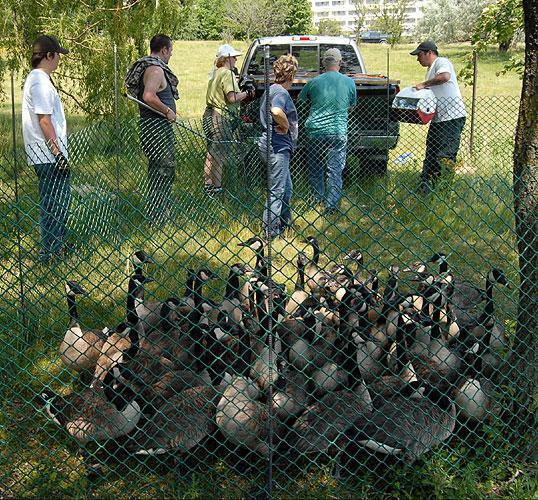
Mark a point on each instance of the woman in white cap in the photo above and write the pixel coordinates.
(222, 99)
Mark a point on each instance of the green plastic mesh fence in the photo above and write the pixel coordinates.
(178, 318)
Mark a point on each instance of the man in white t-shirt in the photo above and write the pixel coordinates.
(45, 140)
(445, 130)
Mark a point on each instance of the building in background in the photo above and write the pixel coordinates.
(343, 11)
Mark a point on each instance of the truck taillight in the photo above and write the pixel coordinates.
(303, 38)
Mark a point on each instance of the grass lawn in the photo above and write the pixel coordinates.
(470, 217)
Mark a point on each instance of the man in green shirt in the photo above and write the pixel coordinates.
(330, 94)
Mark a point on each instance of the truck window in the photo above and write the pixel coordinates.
(307, 57)
(255, 66)
(350, 62)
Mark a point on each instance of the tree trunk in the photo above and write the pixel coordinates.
(524, 355)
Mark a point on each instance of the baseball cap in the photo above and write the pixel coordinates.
(331, 56)
(48, 43)
(227, 50)
(425, 46)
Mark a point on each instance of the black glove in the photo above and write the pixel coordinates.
(247, 84)
(61, 163)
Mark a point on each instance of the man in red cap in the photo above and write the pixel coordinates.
(45, 139)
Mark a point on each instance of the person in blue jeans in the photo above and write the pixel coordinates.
(284, 127)
(45, 139)
(330, 95)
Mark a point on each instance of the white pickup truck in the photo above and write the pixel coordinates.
(372, 132)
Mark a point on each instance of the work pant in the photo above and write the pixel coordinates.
(442, 145)
(54, 203)
(158, 143)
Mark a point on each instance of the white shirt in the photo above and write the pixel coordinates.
(449, 102)
(39, 96)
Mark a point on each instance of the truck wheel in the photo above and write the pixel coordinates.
(373, 162)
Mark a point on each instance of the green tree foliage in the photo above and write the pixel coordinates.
(390, 17)
(255, 18)
(299, 19)
(329, 27)
(203, 20)
(360, 13)
(498, 24)
(90, 31)
(446, 21)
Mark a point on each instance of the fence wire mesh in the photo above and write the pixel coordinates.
(178, 344)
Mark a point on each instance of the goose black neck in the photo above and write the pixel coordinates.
(232, 286)
(134, 337)
(73, 312)
(436, 317)
(263, 316)
(402, 356)
(315, 247)
(197, 291)
(443, 266)
(299, 284)
(135, 292)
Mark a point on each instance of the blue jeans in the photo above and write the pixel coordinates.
(331, 151)
(277, 211)
(54, 203)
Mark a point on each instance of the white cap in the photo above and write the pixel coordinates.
(227, 50)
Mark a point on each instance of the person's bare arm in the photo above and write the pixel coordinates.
(233, 97)
(436, 80)
(154, 81)
(45, 123)
(281, 120)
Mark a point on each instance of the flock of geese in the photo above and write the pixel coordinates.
(337, 364)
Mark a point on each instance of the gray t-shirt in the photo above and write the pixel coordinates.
(449, 102)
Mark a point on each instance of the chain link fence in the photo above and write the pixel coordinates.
(173, 344)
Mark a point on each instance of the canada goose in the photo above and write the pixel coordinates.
(241, 418)
(290, 393)
(385, 386)
(436, 363)
(138, 259)
(487, 328)
(316, 429)
(385, 325)
(368, 350)
(299, 294)
(98, 413)
(404, 426)
(316, 278)
(264, 354)
(231, 304)
(180, 422)
(123, 344)
(475, 396)
(80, 347)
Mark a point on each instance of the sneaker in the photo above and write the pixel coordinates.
(211, 191)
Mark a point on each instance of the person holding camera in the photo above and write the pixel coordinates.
(222, 101)
(45, 139)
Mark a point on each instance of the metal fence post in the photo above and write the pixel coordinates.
(269, 129)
